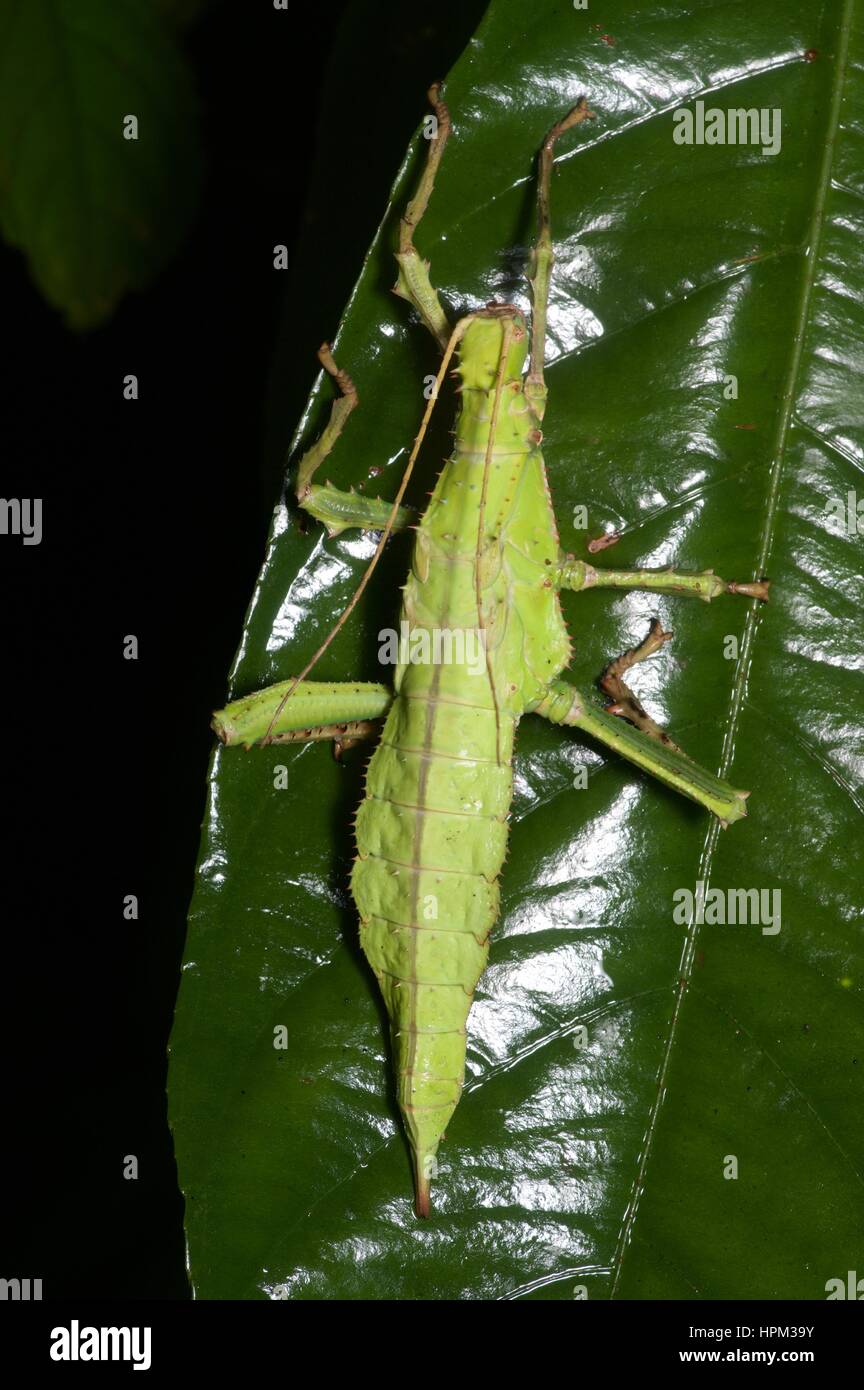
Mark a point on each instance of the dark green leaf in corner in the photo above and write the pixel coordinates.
(702, 1139)
(95, 213)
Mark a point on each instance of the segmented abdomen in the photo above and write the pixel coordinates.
(431, 839)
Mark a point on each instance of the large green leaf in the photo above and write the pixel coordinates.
(97, 207)
(599, 1166)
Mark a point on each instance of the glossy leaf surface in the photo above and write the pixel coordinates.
(623, 1066)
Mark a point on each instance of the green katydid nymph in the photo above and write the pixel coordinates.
(432, 829)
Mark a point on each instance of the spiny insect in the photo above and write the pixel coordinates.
(486, 575)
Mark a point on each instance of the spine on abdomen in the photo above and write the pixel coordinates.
(431, 840)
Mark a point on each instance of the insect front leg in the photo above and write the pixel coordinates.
(413, 283)
(340, 710)
(339, 511)
(577, 575)
(564, 704)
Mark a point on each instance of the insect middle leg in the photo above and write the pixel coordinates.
(577, 575)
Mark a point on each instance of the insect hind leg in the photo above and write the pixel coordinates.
(564, 704)
(624, 703)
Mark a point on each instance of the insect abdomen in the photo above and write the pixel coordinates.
(431, 839)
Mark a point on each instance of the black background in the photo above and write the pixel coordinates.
(155, 518)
